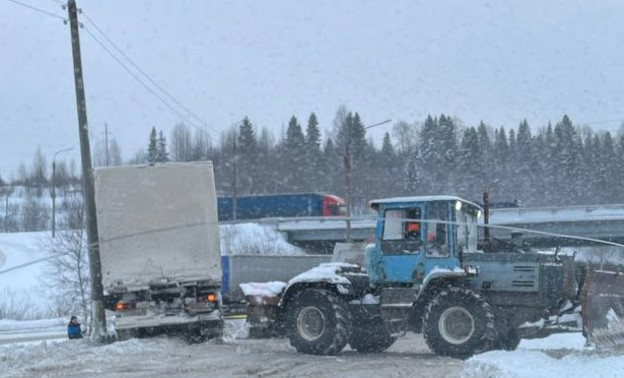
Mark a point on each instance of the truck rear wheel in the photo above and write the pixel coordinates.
(127, 334)
(459, 323)
(318, 323)
(370, 337)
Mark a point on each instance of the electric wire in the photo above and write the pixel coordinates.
(139, 80)
(59, 2)
(143, 72)
(38, 10)
(158, 86)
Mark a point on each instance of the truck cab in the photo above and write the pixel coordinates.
(415, 235)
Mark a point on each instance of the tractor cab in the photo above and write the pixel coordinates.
(415, 235)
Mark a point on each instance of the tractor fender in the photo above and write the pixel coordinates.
(437, 274)
(338, 277)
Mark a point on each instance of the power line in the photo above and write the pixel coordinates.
(604, 121)
(159, 87)
(143, 72)
(138, 79)
(38, 10)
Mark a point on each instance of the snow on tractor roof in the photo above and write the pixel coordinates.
(375, 203)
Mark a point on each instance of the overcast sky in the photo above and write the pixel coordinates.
(496, 61)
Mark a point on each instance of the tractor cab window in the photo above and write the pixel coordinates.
(402, 231)
(466, 219)
(437, 230)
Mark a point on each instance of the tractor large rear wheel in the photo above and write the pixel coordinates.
(459, 323)
(318, 322)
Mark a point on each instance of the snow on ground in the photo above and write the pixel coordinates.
(22, 259)
(556, 356)
(254, 239)
(560, 355)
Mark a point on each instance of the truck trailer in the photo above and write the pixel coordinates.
(159, 248)
(280, 205)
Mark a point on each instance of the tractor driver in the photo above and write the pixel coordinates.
(412, 231)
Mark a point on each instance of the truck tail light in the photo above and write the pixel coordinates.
(208, 297)
(123, 306)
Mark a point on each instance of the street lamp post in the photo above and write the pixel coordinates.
(347, 164)
(54, 188)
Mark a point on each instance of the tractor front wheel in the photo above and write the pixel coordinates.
(318, 322)
(459, 323)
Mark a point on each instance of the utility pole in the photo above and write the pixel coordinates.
(88, 189)
(235, 183)
(347, 165)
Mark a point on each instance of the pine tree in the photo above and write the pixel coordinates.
(333, 168)
(313, 135)
(294, 157)
(152, 148)
(162, 156)
(567, 158)
(501, 157)
(428, 156)
(313, 162)
(247, 151)
(247, 135)
(470, 182)
(609, 182)
(524, 166)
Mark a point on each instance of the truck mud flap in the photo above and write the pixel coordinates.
(603, 308)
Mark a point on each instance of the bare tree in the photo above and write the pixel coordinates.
(39, 172)
(19, 304)
(35, 213)
(407, 136)
(8, 221)
(181, 143)
(67, 272)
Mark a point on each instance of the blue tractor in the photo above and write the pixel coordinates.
(425, 273)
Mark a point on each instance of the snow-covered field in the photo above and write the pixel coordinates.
(24, 354)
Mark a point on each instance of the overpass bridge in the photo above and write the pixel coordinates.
(540, 227)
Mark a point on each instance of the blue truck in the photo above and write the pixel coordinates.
(280, 205)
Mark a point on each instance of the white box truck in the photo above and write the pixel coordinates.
(159, 248)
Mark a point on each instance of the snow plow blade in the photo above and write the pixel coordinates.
(603, 308)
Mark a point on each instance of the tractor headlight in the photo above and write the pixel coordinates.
(458, 205)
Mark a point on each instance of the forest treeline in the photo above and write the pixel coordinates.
(553, 165)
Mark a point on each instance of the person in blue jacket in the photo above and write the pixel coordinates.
(73, 329)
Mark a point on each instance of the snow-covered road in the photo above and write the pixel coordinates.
(236, 356)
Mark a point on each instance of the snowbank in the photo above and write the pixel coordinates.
(561, 355)
(254, 239)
